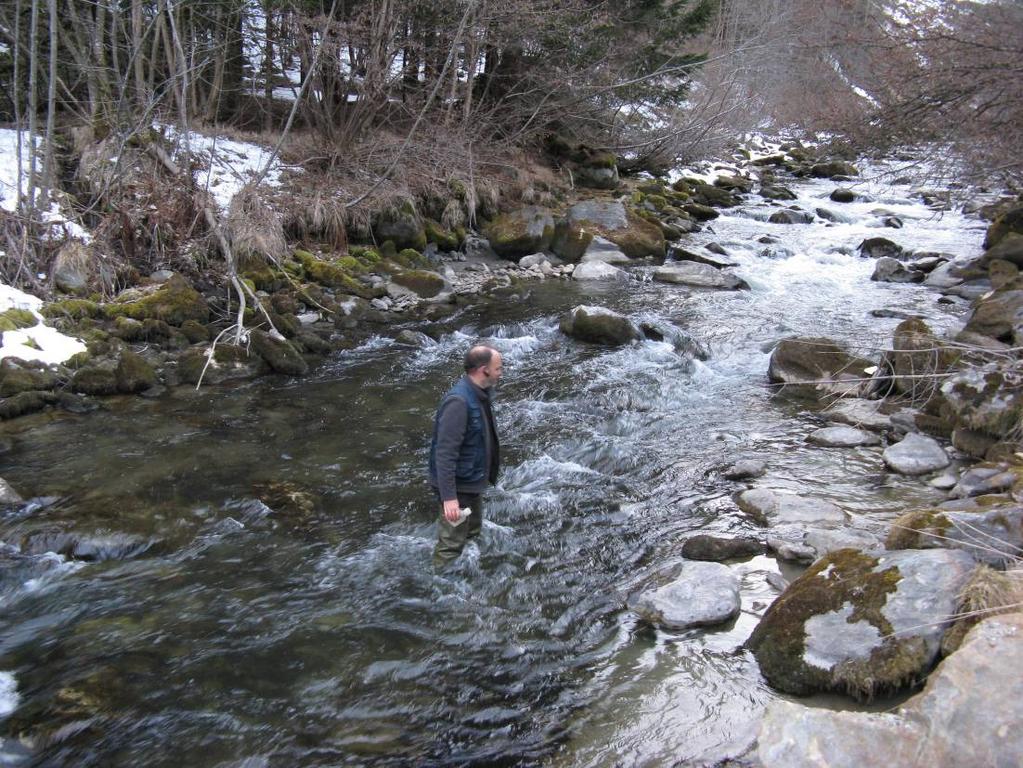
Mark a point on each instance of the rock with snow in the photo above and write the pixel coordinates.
(915, 454)
(698, 275)
(842, 437)
(967, 715)
(702, 594)
(860, 623)
(598, 270)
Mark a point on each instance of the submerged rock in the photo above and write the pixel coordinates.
(967, 715)
(859, 624)
(745, 469)
(915, 454)
(857, 412)
(770, 507)
(717, 548)
(702, 594)
(600, 326)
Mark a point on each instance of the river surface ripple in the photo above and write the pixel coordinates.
(253, 583)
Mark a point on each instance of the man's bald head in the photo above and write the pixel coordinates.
(479, 356)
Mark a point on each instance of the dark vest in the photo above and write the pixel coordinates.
(471, 466)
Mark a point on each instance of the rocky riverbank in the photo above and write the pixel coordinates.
(870, 615)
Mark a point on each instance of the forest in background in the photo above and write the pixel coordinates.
(384, 100)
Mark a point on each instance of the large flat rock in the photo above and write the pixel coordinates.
(702, 594)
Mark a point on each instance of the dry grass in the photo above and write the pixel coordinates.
(987, 593)
(255, 229)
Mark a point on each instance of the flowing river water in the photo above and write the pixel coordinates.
(252, 582)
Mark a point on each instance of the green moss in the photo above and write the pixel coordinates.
(421, 282)
(264, 278)
(410, 259)
(78, 360)
(174, 302)
(195, 332)
(435, 233)
(657, 201)
(24, 403)
(17, 380)
(368, 257)
(133, 374)
(16, 319)
(641, 238)
(94, 380)
(350, 264)
(571, 240)
(918, 528)
(846, 577)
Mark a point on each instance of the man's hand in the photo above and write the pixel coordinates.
(451, 510)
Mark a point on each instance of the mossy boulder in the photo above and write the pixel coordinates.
(636, 237)
(278, 354)
(174, 302)
(445, 239)
(774, 192)
(133, 374)
(1009, 222)
(991, 535)
(72, 267)
(860, 624)
(16, 319)
(401, 224)
(128, 329)
(708, 194)
(95, 379)
(571, 239)
(332, 275)
(520, 233)
(700, 212)
(599, 326)
(986, 399)
(833, 169)
(423, 283)
(195, 332)
(596, 169)
(24, 403)
(15, 379)
(816, 366)
(71, 309)
(734, 184)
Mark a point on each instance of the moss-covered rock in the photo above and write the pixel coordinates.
(635, 236)
(73, 267)
(265, 277)
(520, 233)
(400, 223)
(992, 534)
(708, 194)
(133, 374)
(999, 315)
(423, 283)
(987, 399)
(859, 624)
(195, 332)
(700, 212)
(599, 326)
(332, 275)
(14, 380)
(16, 319)
(445, 240)
(174, 302)
(1010, 221)
(95, 379)
(409, 258)
(24, 403)
(278, 354)
(571, 239)
(128, 329)
(71, 309)
(833, 169)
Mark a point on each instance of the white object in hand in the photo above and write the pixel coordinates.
(462, 514)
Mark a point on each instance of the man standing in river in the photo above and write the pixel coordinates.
(465, 452)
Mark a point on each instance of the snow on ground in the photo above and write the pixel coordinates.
(228, 165)
(40, 342)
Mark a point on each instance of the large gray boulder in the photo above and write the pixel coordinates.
(986, 399)
(999, 316)
(602, 249)
(635, 236)
(968, 715)
(859, 623)
(717, 548)
(889, 270)
(818, 366)
(598, 270)
(698, 275)
(701, 594)
(993, 535)
(521, 233)
(860, 413)
(599, 326)
(915, 454)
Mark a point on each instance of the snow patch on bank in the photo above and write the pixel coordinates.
(40, 342)
(228, 165)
